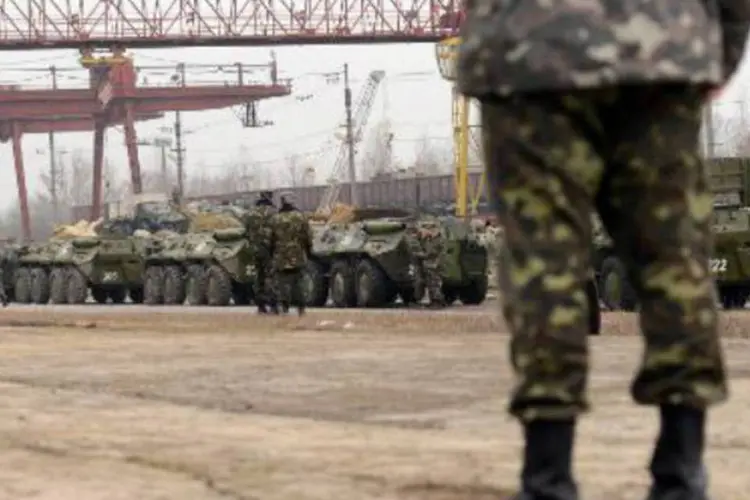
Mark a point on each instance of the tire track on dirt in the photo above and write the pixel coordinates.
(208, 482)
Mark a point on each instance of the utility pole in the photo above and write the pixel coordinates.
(353, 194)
(52, 157)
(178, 140)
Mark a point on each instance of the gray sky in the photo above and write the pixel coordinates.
(413, 98)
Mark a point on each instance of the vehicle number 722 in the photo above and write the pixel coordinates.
(717, 265)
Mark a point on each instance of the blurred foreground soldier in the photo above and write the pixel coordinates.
(258, 224)
(292, 243)
(431, 243)
(597, 105)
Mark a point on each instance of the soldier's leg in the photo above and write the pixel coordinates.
(434, 285)
(543, 174)
(261, 288)
(297, 292)
(657, 207)
(284, 296)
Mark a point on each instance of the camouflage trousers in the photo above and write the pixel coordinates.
(264, 287)
(287, 285)
(432, 280)
(631, 154)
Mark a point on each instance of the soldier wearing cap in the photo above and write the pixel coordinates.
(260, 233)
(291, 243)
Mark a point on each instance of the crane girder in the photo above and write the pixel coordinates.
(47, 24)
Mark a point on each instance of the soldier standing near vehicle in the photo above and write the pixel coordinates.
(260, 232)
(291, 243)
(597, 105)
(431, 243)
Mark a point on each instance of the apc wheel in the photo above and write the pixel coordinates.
(117, 295)
(99, 294)
(197, 286)
(57, 286)
(22, 286)
(475, 292)
(77, 289)
(174, 285)
(136, 295)
(342, 285)
(371, 285)
(39, 286)
(617, 292)
(314, 284)
(153, 286)
(219, 286)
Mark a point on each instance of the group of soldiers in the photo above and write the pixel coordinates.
(284, 242)
(282, 246)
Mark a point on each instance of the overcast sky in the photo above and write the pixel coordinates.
(413, 98)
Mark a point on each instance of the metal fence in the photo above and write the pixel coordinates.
(429, 193)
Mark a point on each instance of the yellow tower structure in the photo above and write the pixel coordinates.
(467, 196)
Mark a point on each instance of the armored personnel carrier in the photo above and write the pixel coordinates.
(37, 263)
(210, 267)
(464, 267)
(614, 287)
(368, 261)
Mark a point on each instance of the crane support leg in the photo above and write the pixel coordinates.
(23, 194)
(96, 193)
(461, 151)
(132, 147)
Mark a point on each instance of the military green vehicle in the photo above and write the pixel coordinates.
(213, 268)
(368, 262)
(111, 267)
(38, 264)
(9, 255)
(729, 180)
(614, 287)
(464, 263)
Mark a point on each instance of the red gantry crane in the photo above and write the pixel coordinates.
(116, 25)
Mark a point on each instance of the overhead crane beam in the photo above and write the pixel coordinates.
(106, 23)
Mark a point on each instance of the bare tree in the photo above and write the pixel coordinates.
(298, 172)
(377, 160)
(431, 159)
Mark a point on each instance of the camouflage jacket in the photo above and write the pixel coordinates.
(292, 240)
(259, 230)
(525, 45)
(431, 241)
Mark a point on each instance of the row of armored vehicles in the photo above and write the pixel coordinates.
(365, 262)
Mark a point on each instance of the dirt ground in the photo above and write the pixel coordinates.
(143, 405)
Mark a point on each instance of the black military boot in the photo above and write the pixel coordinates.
(677, 468)
(548, 460)
(274, 307)
(262, 309)
(285, 307)
(301, 310)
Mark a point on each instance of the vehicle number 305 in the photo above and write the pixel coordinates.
(718, 265)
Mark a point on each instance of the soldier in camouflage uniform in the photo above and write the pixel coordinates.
(431, 244)
(258, 223)
(291, 243)
(596, 105)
